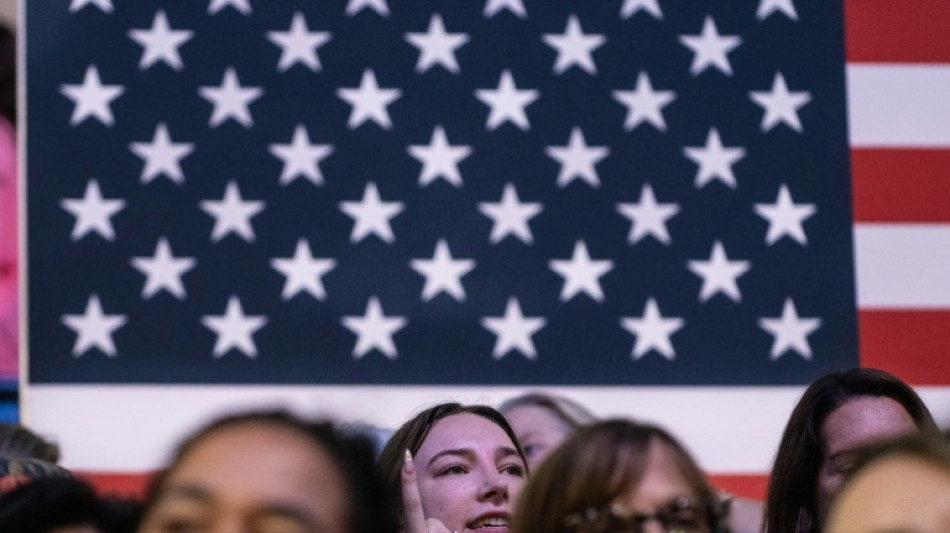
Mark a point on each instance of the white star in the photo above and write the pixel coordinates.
(104, 5)
(510, 216)
(161, 43)
(513, 331)
(163, 271)
(92, 212)
(93, 328)
(439, 159)
(298, 44)
(242, 6)
(92, 98)
(577, 159)
(652, 331)
(790, 331)
(581, 274)
(785, 217)
(574, 47)
(710, 49)
(162, 156)
(303, 272)
(780, 104)
(234, 329)
(369, 101)
(507, 102)
(648, 217)
(232, 214)
(767, 7)
(371, 215)
(374, 330)
(715, 161)
(492, 7)
(355, 6)
(719, 274)
(632, 7)
(644, 104)
(436, 46)
(231, 100)
(300, 157)
(443, 273)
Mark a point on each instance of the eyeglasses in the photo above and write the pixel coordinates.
(682, 515)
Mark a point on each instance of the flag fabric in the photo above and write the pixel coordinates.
(356, 206)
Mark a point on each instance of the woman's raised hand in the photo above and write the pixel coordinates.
(415, 520)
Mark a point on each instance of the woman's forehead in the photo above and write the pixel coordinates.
(259, 466)
(464, 430)
(661, 480)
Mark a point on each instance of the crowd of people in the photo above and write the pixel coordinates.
(860, 453)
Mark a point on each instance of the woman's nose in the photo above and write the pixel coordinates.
(494, 487)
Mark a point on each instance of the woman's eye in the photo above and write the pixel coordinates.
(843, 465)
(278, 524)
(178, 517)
(530, 450)
(844, 469)
(173, 525)
(514, 470)
(689, 522)
(452, 469)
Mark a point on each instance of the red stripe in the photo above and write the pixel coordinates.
(123, 485)
(133, 485)
(914, 345)
(745, 486)
(908, 31)
(891, 185)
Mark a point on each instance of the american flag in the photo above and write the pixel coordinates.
(352, 201)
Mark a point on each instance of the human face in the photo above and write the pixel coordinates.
(469, 474)
(660, 488)
(251, 478)
(898, 493)
(539, 431)
(857, 422)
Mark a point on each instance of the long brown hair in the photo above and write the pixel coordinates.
(792, 495)
(595, 466)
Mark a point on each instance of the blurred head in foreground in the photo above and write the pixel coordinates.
(837, 414)
(263, 472)
(466, 472)
(897, 486)
(618, 476)
(64, 505)
(542, 421)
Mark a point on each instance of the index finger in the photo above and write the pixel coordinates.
(411, 500)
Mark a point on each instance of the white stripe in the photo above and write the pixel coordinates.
(899, 105)
(133, 428)
(901, 266)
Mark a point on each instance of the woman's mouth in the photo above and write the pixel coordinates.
(488, 522)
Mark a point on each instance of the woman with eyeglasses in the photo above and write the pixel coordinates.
(619, 476)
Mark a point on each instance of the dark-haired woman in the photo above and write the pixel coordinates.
(455, 468)
(266, 472)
